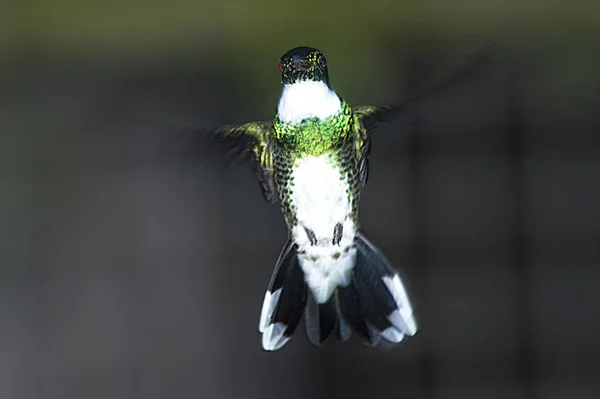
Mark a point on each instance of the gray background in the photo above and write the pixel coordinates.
(124, 274)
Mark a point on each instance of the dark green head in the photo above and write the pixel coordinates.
(303, 63)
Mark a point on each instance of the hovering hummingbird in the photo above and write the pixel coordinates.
(313, 159)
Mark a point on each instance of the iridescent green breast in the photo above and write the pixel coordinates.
(314, 136)
(339, 138)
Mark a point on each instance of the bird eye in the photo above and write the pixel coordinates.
(323, 63)
(281, 67)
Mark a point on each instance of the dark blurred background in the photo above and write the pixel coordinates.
(128, 276)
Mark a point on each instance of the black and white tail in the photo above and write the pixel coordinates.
(284, 301)
(374, 305)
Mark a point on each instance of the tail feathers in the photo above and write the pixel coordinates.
(353, 314)
(284, 301)
(375, 303)
(323, 319)
(320, 320)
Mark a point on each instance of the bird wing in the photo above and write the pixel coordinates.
(245, 141)
(232, 144)
(372, 115)
(364, 150)
(252, 141)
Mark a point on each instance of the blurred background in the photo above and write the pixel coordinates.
(125, 275)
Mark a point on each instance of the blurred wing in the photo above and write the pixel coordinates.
(233, 144)
(251, 141)
(372, 115)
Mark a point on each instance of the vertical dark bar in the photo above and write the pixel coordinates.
(519, 242)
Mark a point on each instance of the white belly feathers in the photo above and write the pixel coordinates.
(320, 196)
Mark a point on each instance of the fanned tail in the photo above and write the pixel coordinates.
(375, 304)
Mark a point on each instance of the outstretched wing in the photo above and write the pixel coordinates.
(251, 141)
(232, 144)
(248, 141)
(372, 115)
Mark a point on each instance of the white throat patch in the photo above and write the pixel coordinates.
(307, 99)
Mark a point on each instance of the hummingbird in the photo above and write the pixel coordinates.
(312, 159)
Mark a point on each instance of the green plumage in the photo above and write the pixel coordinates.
(313, 136)
(337, 144)
(276, 145)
